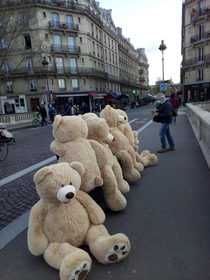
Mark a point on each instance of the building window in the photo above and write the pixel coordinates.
(82, 61)
(9, 87)
(6, 67)
(75, 85)
(44, 15)
(55, 20)
(27, 41)
(79, 21)
(46, 36)
(201, 7)
(80, 39)
(201, 31)
(84, 81)
(30, 63)
(32, 85)
(61, 84)
(199, 75)
(200, 54)
(51, 81)
(3, 43)
(1, 21)
(49, 59)
(25, 19)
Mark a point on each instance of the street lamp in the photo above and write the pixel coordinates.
(162, 48)
(45, 63)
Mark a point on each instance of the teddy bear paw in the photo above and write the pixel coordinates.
(81, 271)
(117, 252)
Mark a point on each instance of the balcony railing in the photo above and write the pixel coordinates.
(200, 37)
(200, 13)
(195, 61)
(65, 48)
(63, 25)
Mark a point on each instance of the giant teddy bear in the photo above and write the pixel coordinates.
(120, 147)
(111, 172)
(70, 144)
(65, 218)
(145, 157)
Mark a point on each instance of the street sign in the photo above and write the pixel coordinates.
(163, 82)
(48, 91)
(163, 86)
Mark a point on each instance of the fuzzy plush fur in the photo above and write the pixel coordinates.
(71, 144)
(120, 147)
(98, 130)
(145, 157)
(65, 218)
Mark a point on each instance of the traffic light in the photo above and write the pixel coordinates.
(134, 91)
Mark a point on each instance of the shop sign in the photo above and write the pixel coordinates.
(205, 85)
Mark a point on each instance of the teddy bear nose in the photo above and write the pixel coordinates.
(70, 195)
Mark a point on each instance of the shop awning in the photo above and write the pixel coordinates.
(96, 95)
(112, 94)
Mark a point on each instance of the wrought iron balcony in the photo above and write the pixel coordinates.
(200, 37)
(201, 12)
(63, 25)
(195, 61)
(65, 48)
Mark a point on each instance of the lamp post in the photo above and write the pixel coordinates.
(45, 63)
(162, 48)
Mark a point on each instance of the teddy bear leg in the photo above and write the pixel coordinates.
(138, 165)
(73, 263)
(105, 248)
(123, 185)
(126, 163)
(143, 160)
(152, 159)
(113, 197)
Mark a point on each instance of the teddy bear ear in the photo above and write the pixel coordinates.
(42, 173)
(78, 167)
(57, 121)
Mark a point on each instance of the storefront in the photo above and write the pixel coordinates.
(197, 92)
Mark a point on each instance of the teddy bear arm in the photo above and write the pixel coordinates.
(37, 241)
(100, 153)
(58, 148)
(95, 213)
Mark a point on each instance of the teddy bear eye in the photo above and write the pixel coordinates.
(62, 185)
(70, 183)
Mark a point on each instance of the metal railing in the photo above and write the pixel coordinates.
(199, 37)
(65, 48)
(63, 25)
(200, 13)
(195, 61)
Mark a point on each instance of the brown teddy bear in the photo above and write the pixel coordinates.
(111, 172)
(65, 218)
(120, 147)
(71, 144)
(145, 157)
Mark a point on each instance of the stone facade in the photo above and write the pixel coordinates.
(85, 53)
(195, 71)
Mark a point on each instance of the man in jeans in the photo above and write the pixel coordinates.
(165, 116)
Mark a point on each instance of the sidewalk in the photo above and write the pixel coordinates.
(167, 220)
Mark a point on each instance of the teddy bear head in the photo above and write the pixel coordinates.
(119, 143)
(111, 116)
(59, 182)
(98, 130)
(123, 113)
(69, 128)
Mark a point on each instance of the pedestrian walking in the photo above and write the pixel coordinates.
(164, 115)
(52, 112)
(43, 113)
(68, 110)
(175, 104)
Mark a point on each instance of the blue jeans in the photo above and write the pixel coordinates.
(165, 131)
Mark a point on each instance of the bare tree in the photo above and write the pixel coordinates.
(19, 37)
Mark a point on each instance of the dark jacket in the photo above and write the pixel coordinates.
(165, 112)
(68, 111)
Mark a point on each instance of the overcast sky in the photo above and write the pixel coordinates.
(146, 23)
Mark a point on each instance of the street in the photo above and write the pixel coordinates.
(33, 147)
